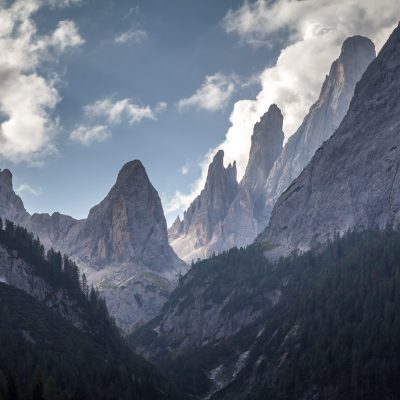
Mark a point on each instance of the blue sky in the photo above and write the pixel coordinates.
(100, 83)
(184, 41)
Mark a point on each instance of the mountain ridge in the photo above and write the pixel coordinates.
(122, 246)
(351, 182)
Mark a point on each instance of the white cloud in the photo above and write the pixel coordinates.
(114, 111)
(111, 113)
(184, 169)
(88, 135)
(213, 94)
(181, 201)
(27, 96)
(25, 188)
(317, 28)
(131, 36)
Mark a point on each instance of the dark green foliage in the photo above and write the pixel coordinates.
(336, 332)
(44, 357)
(57, 270)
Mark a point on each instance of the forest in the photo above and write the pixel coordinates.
(44, 357)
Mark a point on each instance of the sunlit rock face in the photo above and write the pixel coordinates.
(202, 220)
(322, 120)
(122, 246)
(11, 206)
(271, 168)
(352, 182)
(244, 220)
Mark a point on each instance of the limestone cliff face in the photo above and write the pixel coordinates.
(15, 271)
(202, 220)
(176, 229)
(271, 169)
(352, 181)
(122, 246)
(244, 220)
(322, 120)
(127, 226)
(11, 206)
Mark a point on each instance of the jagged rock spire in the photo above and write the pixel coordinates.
(352, 181)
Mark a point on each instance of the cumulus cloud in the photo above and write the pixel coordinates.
(25, 188)
(115, 111)
(111, 112)
(87, 135)
(315, 30)
(27, 96)
(131, 36)
(213, 94)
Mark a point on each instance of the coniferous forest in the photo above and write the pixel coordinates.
(44, 357)
(199, 200)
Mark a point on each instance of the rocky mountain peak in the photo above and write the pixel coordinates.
(176, 229)
(352, 182)
(11, 206)
(130, 172)
(6, 179)
(355, 49)
(128, 225)
(122, 246)
(217, 171)
(266, 145)
(323, 118)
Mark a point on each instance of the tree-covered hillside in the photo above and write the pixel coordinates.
(44, 357)
(334, 332)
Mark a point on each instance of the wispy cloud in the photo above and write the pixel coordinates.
(115, 111)
(87, 135)
(184, 169)
(131, 36)
(28, 95)
(213, 95)
(101, 115)
(316, 28)
(25, 188)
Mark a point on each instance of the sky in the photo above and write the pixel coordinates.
(88, 85)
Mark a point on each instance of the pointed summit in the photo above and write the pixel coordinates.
(176, 229)
(206, 212)
(128, 225)
(352, 182)
(131, 170)
(6, 179)
(241, 224)
(211, 205)
(11, 206)
(323, 118)
(266, 145)
(354, 50)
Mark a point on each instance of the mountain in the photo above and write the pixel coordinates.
(319, 325)
(122, 246)
(352, 181)
(243, 221)
(322, 120)
(11, 205)
(270, 168)
(202, 220)
(58, 341)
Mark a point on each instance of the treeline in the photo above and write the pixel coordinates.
(336, 332)
(58, 270)
(43, 357)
